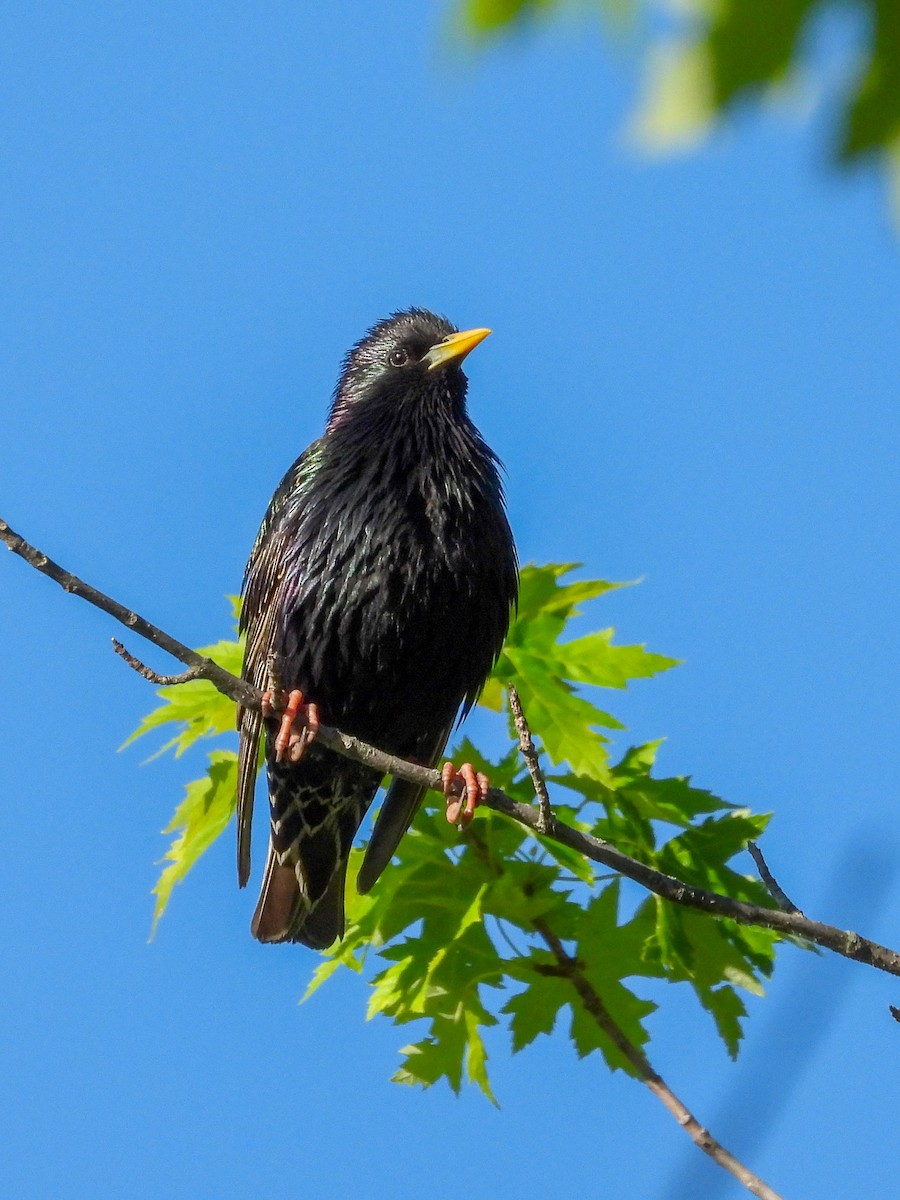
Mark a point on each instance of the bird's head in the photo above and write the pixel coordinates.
(410, 358)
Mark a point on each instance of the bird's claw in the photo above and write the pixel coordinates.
(291, 742)
(464, 790)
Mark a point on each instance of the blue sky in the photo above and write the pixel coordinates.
(692, 380)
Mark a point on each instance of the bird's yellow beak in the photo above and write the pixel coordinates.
(456, 346)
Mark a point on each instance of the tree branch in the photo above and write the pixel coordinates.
(845, 942)
(526, 745)
(221, 679)
(781, 898)
(571, 969)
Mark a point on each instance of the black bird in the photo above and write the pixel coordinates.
(382, 580)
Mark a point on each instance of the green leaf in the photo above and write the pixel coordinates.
(493, 695)
(326, 968)
(594, 660)
(197, 707)
(611, 952)
(476, 1057)
(677, 109)
(582, 868)
(487, 18)
(699, 855)
(872, 120)
(535, 1010)
(727, 1010)
(715, 957)
(628, 1013)
(440, 1055)
(454, 1042)
(545, 669)
(202, 815)
(751, 45)
(674, 800)
(567, 722)
(526, 892)
(490, 18)
(540, 593)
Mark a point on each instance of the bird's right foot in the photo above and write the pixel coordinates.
(291, 742)
(464, 790)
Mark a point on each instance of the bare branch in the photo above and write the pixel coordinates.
(221, 679)
(571, 969)
(530, 754)
(845, 942)
(151, 675)
(780, 897)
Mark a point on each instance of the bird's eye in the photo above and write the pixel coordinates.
(398, 357)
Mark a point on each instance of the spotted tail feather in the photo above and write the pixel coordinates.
(316, 807)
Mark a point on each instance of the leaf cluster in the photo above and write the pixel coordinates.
(455, 935)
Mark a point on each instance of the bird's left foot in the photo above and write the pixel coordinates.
(291, 742)
(464, 790)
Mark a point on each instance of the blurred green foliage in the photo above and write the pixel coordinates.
(706, 59)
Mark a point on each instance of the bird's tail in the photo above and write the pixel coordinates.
(316, 806)
(284, 912)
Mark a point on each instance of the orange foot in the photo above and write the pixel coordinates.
(463, 789)
(291, 743)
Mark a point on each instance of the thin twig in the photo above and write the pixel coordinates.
(571, 969)
(221, 679)
(847, 943)
(530, 754)
(151, 675)
(780, 897)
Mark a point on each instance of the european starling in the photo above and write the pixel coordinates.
(381, 584)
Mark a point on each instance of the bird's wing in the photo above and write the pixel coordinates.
(397, 812)
(263, 579)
